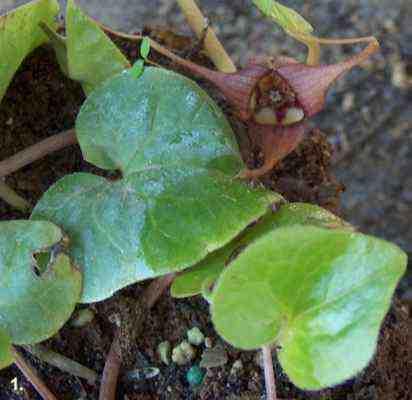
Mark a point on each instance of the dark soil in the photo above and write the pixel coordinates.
(42, 102)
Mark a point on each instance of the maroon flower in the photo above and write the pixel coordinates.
(276, 97)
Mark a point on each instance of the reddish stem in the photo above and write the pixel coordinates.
(111, 371)
(37, 151)
(114, 359)
(270, 382)
(32, 376)
(155, 289)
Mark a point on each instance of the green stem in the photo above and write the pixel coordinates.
(8, 195)
(62, 362)
(213, 47)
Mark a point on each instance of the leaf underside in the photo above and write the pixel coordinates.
(320, 294)
(20, 34)
(177, 199)
(284, 16)
(34, 301)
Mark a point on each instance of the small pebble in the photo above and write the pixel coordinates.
(215, 357)
(164, 350)
(208, 343)
(141, 374)
(195, 376)
(183, 353)
(348, 102)
(82, 318)
(237, 368)
(195, 336)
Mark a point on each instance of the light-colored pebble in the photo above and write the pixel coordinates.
(183, 353)
(163, 350)
(195, 336)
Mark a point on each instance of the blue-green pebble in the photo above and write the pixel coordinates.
(195, 375)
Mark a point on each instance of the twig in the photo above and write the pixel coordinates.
(32, 376)
(62, 362)
(212, 45)
(270, 382)
(114, 359)
(37, 151)
(192, 67)
(111, 371)
(8, 195)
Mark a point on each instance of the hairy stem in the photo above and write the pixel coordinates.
(8, 195)
(270, 382)
(32, 376)
(114, 359)
(37, 151)
(213, 47)
(62, 362)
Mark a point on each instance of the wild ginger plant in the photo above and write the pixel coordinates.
(292, 276)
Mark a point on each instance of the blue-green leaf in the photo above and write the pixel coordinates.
(177, 200)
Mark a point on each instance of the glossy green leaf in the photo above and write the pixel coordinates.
(20, 34)
(92, 56)
(6, 357)
(34, 305)
(284, 16)
(137, 69)
(177, 199)
(308, 214)
(145, 48)
(320, 294)
(192, 281)
(59, 44)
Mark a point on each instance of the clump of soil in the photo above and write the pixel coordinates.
(41, 102)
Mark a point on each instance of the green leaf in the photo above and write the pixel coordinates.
(6, 357)
(192, 281)
(308, 214)
(284, 16)
(20, 34)
(59, 45)
(320, 294)
(145, 48)
(137, 69)
(92, 56)
(34, 307)
(177, 199)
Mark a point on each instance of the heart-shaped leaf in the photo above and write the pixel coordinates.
(194, 280)
(320, 294)
(36, 297)
(177, 199)
(6, 357)
(91, 56)
(20, 34)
